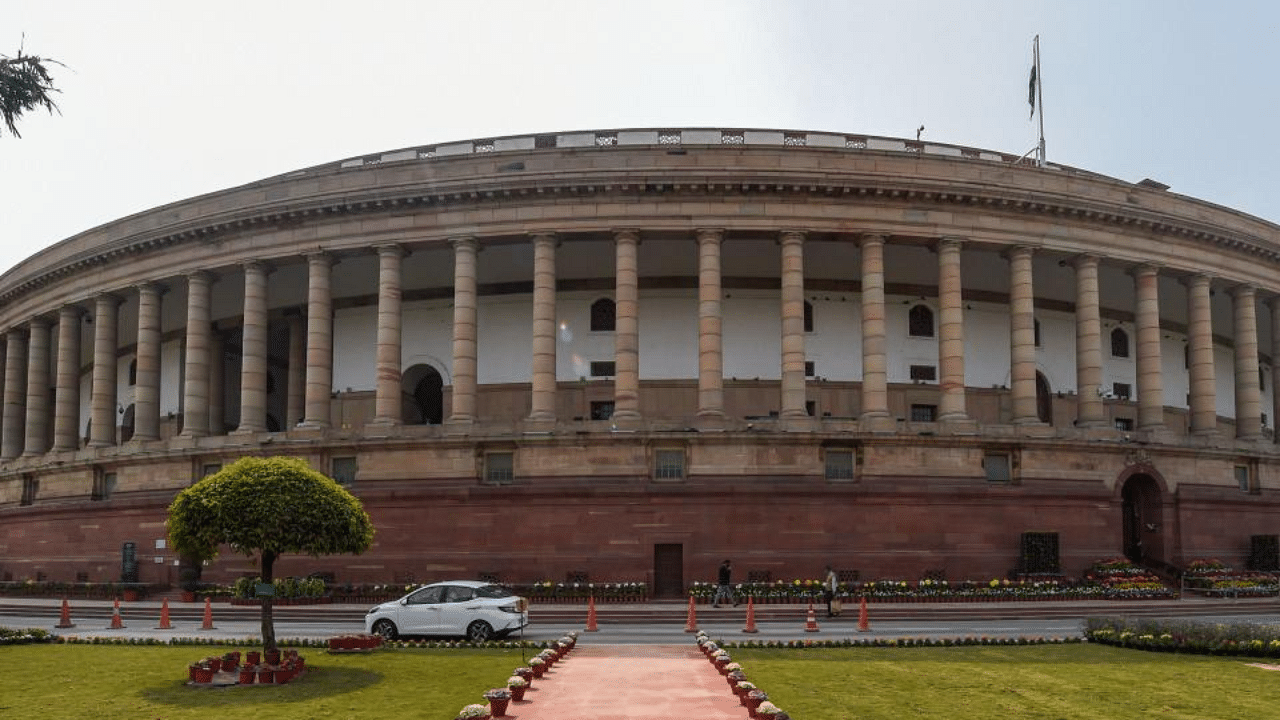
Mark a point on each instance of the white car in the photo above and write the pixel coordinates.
(478, 610)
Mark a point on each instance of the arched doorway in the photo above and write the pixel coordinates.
(422, 396)
(1143, 518)
(1044, 399)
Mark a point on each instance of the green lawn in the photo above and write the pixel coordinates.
(1049, 682)
(106, 681)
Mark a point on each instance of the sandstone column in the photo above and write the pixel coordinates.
(464, 332)
(710, 339)
(1090, 411)
(386, 404)
(1022, 337)
(195, 387)
(319, 341)
(217, 382)
(543, 396)
(626, 336)
(1150, 379)
(102, 399)
(15, 395)
(793, 389)
(875, 377)
(1204, 410)
(37, 425)
(253, 347)
(295, 400)
(146, 392)
(66, 402)
(952, 406)
(1248, 400)
(1274, 305)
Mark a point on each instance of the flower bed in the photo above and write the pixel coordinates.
(355, 643)
(226, 670)
(1217, 579)
(1200, 638)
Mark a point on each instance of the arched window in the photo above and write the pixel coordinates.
(808, 316)
(1119, 343)
(422, 396)
(604, 316)
(920, 321)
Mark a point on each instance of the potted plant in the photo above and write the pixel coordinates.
(498, 699)
(247, 674)
(517, 685)
(763, 708)
(189, 581)
(538, 666)
(481, 712)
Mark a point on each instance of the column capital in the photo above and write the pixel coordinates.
(951, 241)
(1085, 260)
(1197, 279)
(1019, 251)
(70, 312)
(102, 299)
(1145, 269)
(383, 249)
(877, 238)
(261, 266)
(1243, 291)
(544, 237)
(201, 276)
(464, 241)
(320, 257)
(709, 235)
(791, 236)
(631, 235)
(151, 286)
(39, 321)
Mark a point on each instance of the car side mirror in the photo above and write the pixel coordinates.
(404, 601)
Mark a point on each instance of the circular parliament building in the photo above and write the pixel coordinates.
(628, 354)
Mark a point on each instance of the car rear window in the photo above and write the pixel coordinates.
(493, 591)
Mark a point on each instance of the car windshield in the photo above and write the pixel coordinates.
(493, 591)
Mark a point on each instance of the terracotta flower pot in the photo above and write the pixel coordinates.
(517, 693)
(498, 706)
(247, 675)
(273, 657)
(266, 676)
(203, 675)
(215, 664)
(253, 657)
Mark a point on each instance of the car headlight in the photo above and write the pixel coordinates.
(515, 609)
(373, 610)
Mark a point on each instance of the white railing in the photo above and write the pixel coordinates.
(684, 137)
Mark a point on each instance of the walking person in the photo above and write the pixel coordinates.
(829, 586)
(724, 585)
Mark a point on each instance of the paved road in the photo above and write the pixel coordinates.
(651, 624)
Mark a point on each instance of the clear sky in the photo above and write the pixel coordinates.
(165, 100)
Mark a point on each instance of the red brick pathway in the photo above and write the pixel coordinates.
(630, 682)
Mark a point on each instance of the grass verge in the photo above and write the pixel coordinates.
(94, 681)
(1041, 682)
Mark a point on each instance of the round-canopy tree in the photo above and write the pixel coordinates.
(268, 506)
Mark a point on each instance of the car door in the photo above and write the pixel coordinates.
(458, 609)
(421, 612)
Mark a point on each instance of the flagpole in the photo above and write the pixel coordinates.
(1040, 99)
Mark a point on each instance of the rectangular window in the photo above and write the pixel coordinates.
(1124, 424)
(601, 368)
(997, 467)
(810, 407)
(1122, 390)
(499, 468)
(1245, 479)
(30, 488)
(839, 465)
(343, 470)
(601, 409)
(809, 369)
(668, 464)
(924, 373)
(209, 469)
(104, 483)
(924, 413)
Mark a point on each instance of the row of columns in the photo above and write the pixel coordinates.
(26, 361)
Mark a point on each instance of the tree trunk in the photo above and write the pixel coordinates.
(268, 623)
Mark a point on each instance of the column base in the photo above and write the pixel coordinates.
(458, 427)
(878, 423)
(538, 426)
(961, 425)
(711, 422)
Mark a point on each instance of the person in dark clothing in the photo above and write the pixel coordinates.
(724, 584)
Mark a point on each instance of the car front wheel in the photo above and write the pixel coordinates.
(479, 631)
(386, 629)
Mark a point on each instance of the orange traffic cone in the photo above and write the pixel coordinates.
(164, 616)
(591, 614)
(65, 620)
(811, 623)
(751, 616)
(208, 614)
(863, 625)
(692, 624)
(116, 623)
